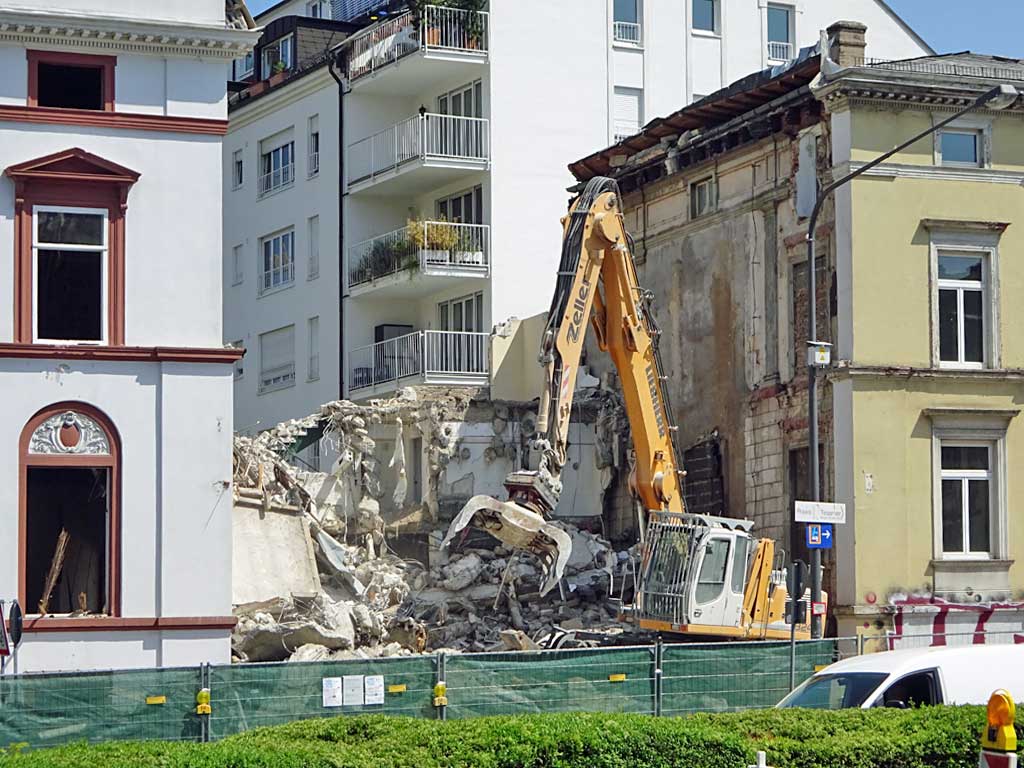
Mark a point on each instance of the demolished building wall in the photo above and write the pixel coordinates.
(402, 469)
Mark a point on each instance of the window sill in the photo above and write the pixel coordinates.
(275, 388)
(706, 33)
(123, 624)
(626, 44)
(970, 576)
(950, 366)
(237, 282)
(310, 379)
(276, 289)
(312, 276)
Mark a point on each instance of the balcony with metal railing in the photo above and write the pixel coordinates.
(421, 357)
(780, 51)
(426, 151)
(279, 178)
(627, 32)
(444, 44)
(419, 259)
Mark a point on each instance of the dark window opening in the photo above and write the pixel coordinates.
(69, 300)
(63, 85)
(73, 501)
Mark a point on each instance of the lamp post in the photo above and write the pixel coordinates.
(1000, 97)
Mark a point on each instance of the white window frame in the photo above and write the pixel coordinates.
(248, 64)
(313, 347)
(313, 154)
(284, 375)
(238, 369)
(315, 9)
(287, 271)
(237, 169)
(979, 126)
(791, 11)
(284, 48)
(238, 264)
(973, 428)
(104, 251)
(712, 205)
(285, 171)
(717, 23)
(985, 245)
(313, 236)
(629, 33)
(964, 476)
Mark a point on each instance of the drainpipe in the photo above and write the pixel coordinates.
(342, 193)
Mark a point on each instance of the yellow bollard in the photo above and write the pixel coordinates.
(999, 739)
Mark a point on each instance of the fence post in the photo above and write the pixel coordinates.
(204, 682)
(441, 688)
(658, 675)
(860, 644)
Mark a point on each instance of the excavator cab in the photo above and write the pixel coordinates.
(694, 574)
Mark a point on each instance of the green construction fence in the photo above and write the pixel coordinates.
(40, 710)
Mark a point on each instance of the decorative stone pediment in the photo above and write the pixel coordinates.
(69, 433)
(73, 165)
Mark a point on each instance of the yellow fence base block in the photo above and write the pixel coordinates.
(617, 678)
(156, 699)
(397, 688)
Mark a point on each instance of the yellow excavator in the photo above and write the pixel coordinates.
(699, 576)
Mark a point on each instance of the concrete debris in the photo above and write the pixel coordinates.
(357, 596)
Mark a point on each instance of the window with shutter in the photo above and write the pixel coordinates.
(277, 359)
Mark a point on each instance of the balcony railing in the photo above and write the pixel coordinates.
(314, 163)
(448, 29)
(625, 130)
(778, 51)
(430, 355)
(423, 137)
(418, 246)
(276, 179)
(627, 32)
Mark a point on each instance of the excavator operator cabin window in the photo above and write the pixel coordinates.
(711, 581)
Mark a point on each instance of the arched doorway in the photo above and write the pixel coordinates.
(68, 522)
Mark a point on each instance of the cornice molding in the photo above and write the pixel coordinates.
(933, 173)
(50, 29)
(241, 114)
(222, 355)
(991, 375)
(128, 121)
(127, 624)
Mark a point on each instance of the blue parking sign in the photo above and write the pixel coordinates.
(819, 536)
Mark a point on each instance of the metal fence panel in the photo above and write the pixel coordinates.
(727, 677)
(247, 696)
(43, 710)
(588, 680)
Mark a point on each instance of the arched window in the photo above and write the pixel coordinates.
(68, 518)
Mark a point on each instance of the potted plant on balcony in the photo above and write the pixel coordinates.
(434, 240)
(474, 21)
(431, 30)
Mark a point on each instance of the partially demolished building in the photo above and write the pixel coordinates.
(348, 562)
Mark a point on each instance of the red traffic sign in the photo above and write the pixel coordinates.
(818, 609)
(997, 759)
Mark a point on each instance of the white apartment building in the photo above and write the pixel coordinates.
(456, 130)
(116, 416)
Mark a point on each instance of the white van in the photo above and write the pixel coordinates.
(912, 678)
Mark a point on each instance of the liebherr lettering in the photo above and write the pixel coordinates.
(579, 306)
(659, 414)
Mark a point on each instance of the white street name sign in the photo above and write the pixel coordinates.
(820, 512)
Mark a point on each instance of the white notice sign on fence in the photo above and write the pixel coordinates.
(374, 689)
(332, 692)
(352, 690)
(820, 512)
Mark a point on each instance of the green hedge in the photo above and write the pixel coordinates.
(942, 737)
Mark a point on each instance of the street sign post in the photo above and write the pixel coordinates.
(820, 512)
(819, 536)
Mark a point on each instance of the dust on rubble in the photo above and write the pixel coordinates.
(338, 589)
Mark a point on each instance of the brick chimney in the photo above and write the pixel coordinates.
(848, 43)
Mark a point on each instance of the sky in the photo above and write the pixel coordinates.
(982, 26)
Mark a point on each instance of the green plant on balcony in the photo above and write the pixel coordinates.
(386, 257)
(433, 235)
(473, 26)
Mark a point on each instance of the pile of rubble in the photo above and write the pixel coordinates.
(316, 578)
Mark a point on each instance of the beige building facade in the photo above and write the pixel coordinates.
(917, 289)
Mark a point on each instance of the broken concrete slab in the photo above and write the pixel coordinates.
(272, 555)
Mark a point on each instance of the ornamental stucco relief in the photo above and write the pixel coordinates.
(69, 433)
